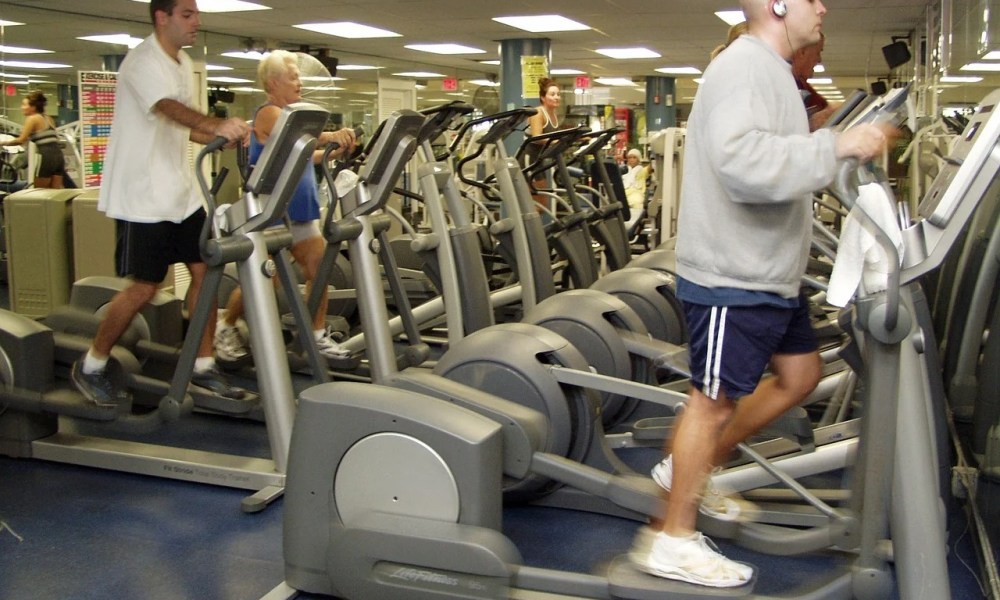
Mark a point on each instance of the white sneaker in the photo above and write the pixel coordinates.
(329, 347)
(230, 345)
(693, 560)
(725, 505)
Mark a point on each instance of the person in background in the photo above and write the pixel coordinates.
(734, 32)
(634, 181)
(545, 120)
(40, 129)
(148, 187)
(804, 62)
(744, 229)
(278, 72)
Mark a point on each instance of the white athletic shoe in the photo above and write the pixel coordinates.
(329, 347)
(726, 505)
(230, 345)
(692, 560)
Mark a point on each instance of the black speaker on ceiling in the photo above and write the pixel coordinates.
(896, 54)
(879, 88)
(330, 62)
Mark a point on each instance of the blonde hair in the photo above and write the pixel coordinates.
(734, 32)
(275, 64)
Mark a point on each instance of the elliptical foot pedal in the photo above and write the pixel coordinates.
(626, 581)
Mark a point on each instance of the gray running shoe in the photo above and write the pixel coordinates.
(98, 387)
(218, 384)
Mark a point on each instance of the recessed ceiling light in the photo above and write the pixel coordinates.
(566, 72)
(356, 67)
(819, 68)
(542, 23)
(119, 39)
(321, 78)
(348, 29)
(217, 68)
(28, 64)
(247, 54)
(224, 79)
(218, 6)
(978, 66)
(679, 70)
(819, 81)
(495, 63)
(626, 53)
(4, 23)
(992, 55)
(22, 50)
(16, 76)
(615, 81)
(418, 74)
(960, 79)
(445, 49)
(731, 17)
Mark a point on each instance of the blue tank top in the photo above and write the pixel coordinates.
(304, 205)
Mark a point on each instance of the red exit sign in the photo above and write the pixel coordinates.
(582, 82)
(449, 84)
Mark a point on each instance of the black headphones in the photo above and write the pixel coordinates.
(779, 9)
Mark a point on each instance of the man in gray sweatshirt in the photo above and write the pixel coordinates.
(751, 166)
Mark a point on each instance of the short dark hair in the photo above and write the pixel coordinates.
(166, 6)
(38, 101)
(544, 84)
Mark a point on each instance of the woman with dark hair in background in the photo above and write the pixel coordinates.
(41, 129)
(545, 120)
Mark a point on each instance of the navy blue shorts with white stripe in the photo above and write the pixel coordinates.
(731, 346)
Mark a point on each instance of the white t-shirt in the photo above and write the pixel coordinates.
(147, 174)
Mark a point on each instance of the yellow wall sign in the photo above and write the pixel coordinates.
(533, 70)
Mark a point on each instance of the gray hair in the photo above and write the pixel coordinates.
(275, 64)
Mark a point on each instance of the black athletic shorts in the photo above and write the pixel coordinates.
(144, 251)
(52, 163)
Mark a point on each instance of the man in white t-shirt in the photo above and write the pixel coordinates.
(149, 189)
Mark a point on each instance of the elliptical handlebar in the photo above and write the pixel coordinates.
(506, 122)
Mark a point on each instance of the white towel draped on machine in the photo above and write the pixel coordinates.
(860, 259)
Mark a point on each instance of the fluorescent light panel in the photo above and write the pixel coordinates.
(27, 64)
(348, 29)
(220, 6)
(445, 49)
(4, 23)
(731, 17)
(495, 63)
(418, 74)
(224, 79)
(679, 70)
(566, 72)
(627, 53)
(960, 79)
(980, 66)
(992, 55)
(22, 50)
(247, 54)
(615, 81)
(484, 82)
(217, 68)
(119, 39)
(819, 81)
(356, 67)
(542, 23)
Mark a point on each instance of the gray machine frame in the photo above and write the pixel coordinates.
(238, 236)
